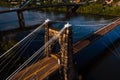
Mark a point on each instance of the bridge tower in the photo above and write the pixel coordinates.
(67, 71)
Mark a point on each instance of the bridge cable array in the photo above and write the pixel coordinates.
(21, 51)
(36, 53)
(36, 59)
(36, 30)
(14, 54)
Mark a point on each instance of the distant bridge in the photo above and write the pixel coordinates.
(70, 9)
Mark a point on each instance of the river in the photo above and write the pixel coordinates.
(105, 67)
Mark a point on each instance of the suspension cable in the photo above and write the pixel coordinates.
(37, 29)
(17, 53)
(35, 54)
(42, 54)
(21, 53)
(36, 59)
(11, 53)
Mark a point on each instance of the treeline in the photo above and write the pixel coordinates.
(5, 4)
(4, 46)
(101, 9)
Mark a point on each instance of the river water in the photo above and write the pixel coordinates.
(92, 67)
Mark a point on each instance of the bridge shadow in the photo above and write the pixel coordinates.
(94, 62)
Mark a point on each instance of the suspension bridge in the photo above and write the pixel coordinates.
(62, 61)
(45, 62)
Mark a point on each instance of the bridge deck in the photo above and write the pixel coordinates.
(96, 35)
(40, 70)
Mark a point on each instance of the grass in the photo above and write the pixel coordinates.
(93, 8)
(98, 9)
(4, 4)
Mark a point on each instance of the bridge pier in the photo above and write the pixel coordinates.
(21, 19)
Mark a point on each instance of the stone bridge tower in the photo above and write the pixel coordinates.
(66, 53)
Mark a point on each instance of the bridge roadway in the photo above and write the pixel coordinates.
(47, 66)
(40, 70)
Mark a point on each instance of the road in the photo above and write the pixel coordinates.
(39, 70)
